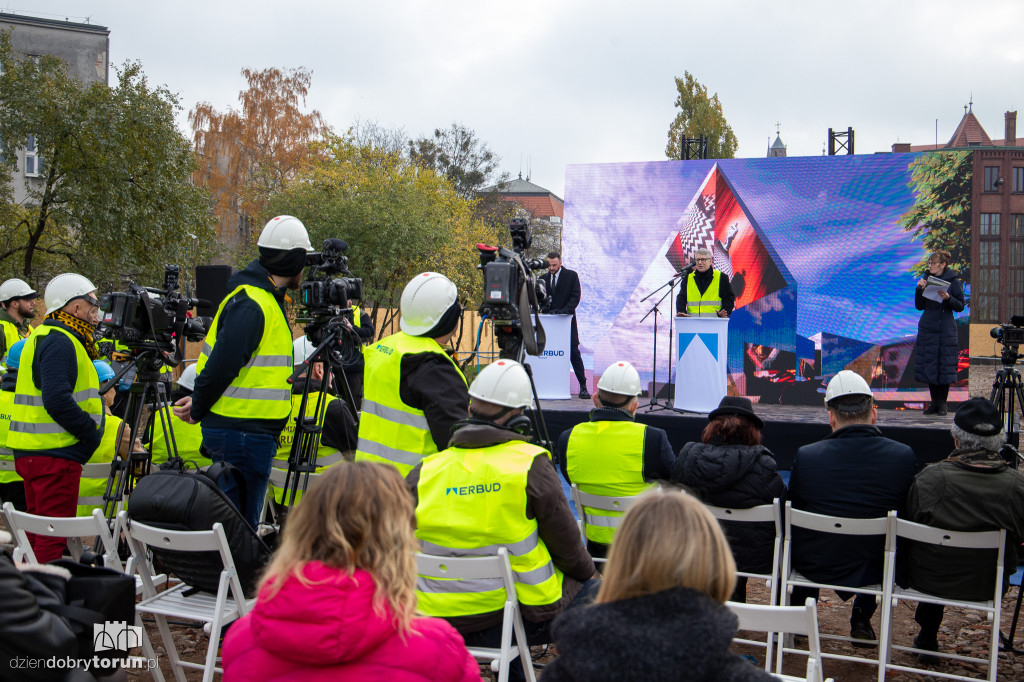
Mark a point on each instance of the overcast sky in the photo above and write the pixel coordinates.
(558, 82)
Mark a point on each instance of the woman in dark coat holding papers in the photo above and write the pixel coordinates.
(936, 332)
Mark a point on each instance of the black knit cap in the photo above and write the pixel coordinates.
(978, 416)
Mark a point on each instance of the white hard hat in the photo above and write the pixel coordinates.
(285, 233)
(503, 382)
(620, 378)
(187, 379)
(425, 299)
(847, 382)
(302, 348)
(63, 288)
(16, 288)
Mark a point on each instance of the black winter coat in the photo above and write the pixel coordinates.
(678, 634)
(29, 631)
(737, 476)
(936, 333)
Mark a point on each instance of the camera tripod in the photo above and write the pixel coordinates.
(148, 390)
(302, 459)
(1008, 396)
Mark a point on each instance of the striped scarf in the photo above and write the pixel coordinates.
(81, 328)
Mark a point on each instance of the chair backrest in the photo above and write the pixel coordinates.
(7, 464)
(489, 569)
(600, 503)
(140, 536)
(797, 620)
(72, 528)
(763, 513)
(989, 539)
(833, 524)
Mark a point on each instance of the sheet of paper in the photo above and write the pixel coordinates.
(934, 287)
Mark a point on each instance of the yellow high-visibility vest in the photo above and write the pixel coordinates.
(389, 430)
(471, 502)
(708, 303)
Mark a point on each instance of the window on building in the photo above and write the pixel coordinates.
(1018, 179)
(33, 162)
(985, 282)
(991, 176)
(1015, 268)
(989, 226)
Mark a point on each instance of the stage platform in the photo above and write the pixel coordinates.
(786, 428)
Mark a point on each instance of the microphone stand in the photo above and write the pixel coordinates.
(671, 283)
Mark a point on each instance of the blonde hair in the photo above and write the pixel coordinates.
(357, 515)
(668, 539)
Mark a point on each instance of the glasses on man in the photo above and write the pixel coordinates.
(703, 260)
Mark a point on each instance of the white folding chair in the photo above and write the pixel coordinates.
(219, 609)
(993, 540)
(765, 513)
(600, 503)
(444, 574)
(74, 529)
(821, 523)
(796, 620)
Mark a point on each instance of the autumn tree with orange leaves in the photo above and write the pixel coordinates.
(247, 155)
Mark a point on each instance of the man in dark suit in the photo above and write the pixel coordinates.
(563, 285)
(855, 472)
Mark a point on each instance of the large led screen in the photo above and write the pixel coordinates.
(821, 251)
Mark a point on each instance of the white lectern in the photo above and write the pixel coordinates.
(551, 369)
(701, 344)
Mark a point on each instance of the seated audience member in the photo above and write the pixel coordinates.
(613, 455)
(29, 627)
(971, 490)
(188, 438)
(338, 601)
(491, 487)
(116, 441)
(856, 473)
(12, 488)
(730, 468)
(660, 613)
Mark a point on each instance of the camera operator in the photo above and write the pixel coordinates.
(57, 421)
(414, 391)
(242, 396)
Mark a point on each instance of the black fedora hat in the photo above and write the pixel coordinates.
(734, 404)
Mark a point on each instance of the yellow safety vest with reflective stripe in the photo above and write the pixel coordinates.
(261, 390)
(11, 333)
(6, 407)
(92, 487)
(389, 430)
(188, 438)
(325, 456)
(472, 501)
(356, 314)
(32, 427)
(708, 303)
(606, 458)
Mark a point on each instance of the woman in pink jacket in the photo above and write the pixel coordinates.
(338, 601)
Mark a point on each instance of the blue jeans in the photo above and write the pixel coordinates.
(253, 454)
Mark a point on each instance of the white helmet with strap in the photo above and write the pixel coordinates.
(284, 233)
(63, 288)
(16, 288)
(425, 300)
(621, 378)
(503, 382)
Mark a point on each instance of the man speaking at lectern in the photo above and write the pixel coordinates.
(563, 285)
(705, 291)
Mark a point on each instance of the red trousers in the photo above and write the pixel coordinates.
(51, 489)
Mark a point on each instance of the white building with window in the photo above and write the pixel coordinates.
(84, 47)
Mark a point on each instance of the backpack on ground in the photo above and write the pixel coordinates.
(175, 499)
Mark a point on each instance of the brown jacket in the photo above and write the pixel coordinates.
(556, 526)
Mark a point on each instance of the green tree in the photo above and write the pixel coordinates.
(114, 198)
(700, 114)
(941, 214)
(458, 154)
(399, 219)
